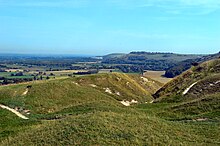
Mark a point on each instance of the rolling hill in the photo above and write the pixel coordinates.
(88, 110)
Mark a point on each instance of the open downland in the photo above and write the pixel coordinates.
(83, 111)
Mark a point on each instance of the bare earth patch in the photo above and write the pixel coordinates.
(25, 92)
(187, 89)
(76, 83)
(13, 111)
(150, 101)
(128, 103)
(93, 85)
(107, 90)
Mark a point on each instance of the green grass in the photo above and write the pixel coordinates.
(8, 75)
(20, 77)
(5, 74)
(202, 74)
(128, 87)
(66, 113)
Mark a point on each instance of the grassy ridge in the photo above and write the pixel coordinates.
(129, 86)
(201, 74)
(201, 102)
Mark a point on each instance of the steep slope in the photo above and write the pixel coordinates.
(195, 93)
(204, 77)
(186, 64)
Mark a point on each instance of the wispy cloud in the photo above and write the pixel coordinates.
(45, 3)
(192, 7)
(157, 36)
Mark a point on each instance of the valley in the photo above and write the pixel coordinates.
(114, 108)
(109, 73)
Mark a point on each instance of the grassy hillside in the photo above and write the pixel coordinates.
(195, 94)
(80, 111)
(55, 95)
(119, 86)
(186, 64)
(205, 75)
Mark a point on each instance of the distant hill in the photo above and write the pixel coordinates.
(147, 60)
(186, 64)
(113, 55)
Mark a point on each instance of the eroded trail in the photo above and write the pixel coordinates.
(187, 89)
(13, 111)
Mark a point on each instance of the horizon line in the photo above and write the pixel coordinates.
(97, 55)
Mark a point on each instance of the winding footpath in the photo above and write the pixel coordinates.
(13, 111)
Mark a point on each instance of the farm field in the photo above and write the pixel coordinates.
(157, 75)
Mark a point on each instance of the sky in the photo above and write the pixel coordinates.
(98, 27)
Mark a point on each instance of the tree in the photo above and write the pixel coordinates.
(195, 63)
(19, 74)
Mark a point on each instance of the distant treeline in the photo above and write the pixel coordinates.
(6, 81)
(143, 52)
(45, 61)
(86, 72)
(141, 63)
(145, 60)
(19, 78)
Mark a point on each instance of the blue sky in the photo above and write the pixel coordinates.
(97, 27)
